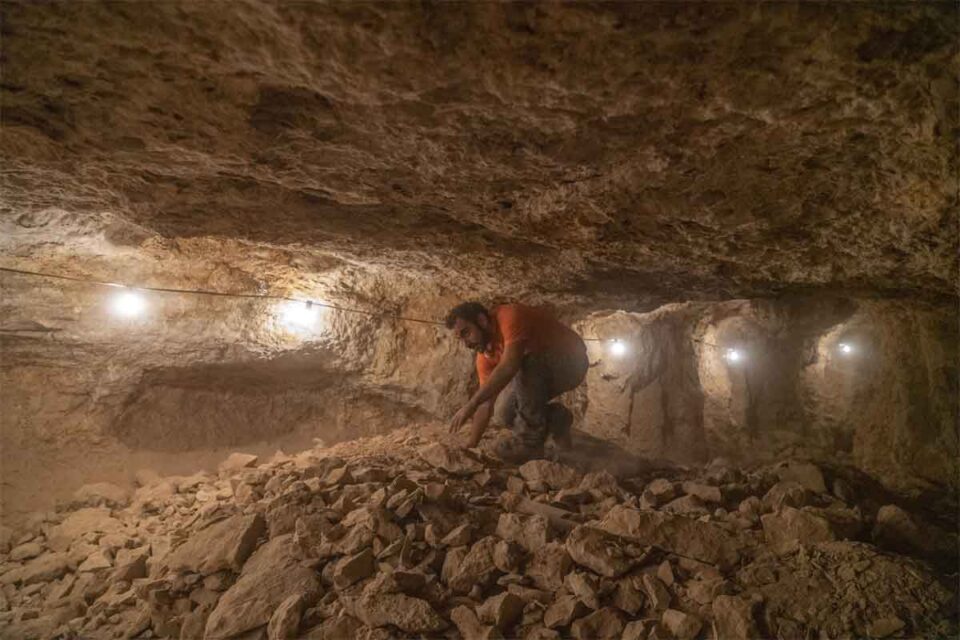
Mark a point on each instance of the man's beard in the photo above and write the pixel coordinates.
(486, 339)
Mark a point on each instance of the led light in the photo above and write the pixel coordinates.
(128, 304)
(299, 317)
(618, 348)
(733, 355)
(845, 348)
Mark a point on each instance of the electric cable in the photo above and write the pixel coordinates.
(261, 296)
(223, 294)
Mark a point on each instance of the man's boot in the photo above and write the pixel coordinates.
(526, 443)
(515, 450)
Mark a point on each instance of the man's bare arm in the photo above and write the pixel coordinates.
(481, 419)
(501, 375)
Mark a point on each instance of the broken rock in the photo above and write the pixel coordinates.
(452, 562)
(703, 541)
(476, 568)
(79, 523)
(883, 627)
(285, 621)
(450, 459)
(705, 492)
(707, 590)
(457, 537)
(637, 630)
(665, 573)
(380, 606)
(689, 505)
(222, 545)
(750, 507)
(26, 551)
(508, 556)
(530, 532)
(786, 493)
(95, 562)
(237, 461)
(45, 568)
(734, 618)
(269, 577)
(682, 626)
(549, 565)
(628, 598)
(602, 481)
(605, 624)
(501, 611)
(557, 517)
(552, 474)
(789, 527)
(538, 632)
(598, 551)
(470, 627)
(846, 523)
(193, 623)
(805, 473)
(658, 594)
(660, 491)
(353, 569)
(584, 586)
(564, 611)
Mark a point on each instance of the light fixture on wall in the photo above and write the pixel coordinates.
(299, 317)
(733, 356)
(128, 303)
(618, 348)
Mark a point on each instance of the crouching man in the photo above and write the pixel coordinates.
(532, 358)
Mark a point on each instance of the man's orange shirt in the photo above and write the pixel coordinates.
(538, 330)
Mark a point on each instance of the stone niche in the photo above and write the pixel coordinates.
(239, 403)
(86, 397)
(868, 381)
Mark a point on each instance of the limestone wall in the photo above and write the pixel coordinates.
(86, 396)
(889, 405)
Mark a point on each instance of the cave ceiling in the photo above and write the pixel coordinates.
(647, 151)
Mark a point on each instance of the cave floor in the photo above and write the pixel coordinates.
(409, 535)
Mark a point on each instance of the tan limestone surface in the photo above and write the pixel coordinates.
(351, 541)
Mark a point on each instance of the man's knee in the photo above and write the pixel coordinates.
(505, 408)
(572, 373)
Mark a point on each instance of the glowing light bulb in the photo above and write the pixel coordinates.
(733, 355)
(128, 304)
(845, 348)
(299, 317)
(618, 348)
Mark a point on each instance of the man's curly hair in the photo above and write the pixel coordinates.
(468, 311)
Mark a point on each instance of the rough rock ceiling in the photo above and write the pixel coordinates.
(664, 151)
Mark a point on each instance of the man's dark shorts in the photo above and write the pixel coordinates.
(524, 405)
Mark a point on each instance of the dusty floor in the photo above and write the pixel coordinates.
(408, 535)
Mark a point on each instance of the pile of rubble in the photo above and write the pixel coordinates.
(405, 536)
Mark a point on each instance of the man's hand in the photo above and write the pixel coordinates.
(461, 417)
(487, 393)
